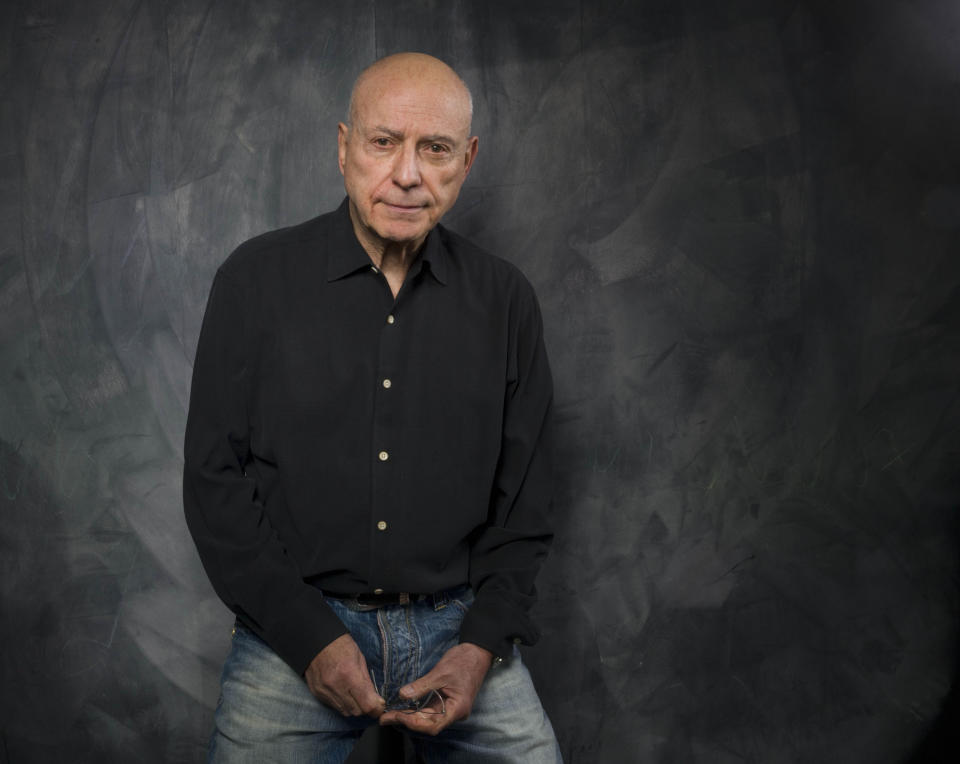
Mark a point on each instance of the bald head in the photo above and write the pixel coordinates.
(392, 72)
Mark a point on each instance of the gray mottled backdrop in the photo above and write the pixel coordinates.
(742, 218)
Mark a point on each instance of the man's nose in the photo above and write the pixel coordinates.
(406, 170)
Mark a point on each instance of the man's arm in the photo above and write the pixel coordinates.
(507, 555)
(245, 560)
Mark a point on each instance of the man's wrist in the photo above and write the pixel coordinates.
(483, 655)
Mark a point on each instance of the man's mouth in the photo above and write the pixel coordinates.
(404, 208)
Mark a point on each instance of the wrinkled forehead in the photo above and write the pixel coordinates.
(412, 108)
(398, 94)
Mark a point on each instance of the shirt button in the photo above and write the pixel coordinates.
(384, 456)
(381, 526)
(378, 591)
(387, 383)
(390, 319)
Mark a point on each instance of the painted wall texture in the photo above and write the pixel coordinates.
(742, 218)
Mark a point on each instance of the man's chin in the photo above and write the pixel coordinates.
(401, 234)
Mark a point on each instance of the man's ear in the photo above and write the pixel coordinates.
(473, 146)
(343, 136)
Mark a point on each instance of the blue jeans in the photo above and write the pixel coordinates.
(267, 714)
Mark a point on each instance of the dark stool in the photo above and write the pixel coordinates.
(381, 745)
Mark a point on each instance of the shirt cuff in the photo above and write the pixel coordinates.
(496, 624)
(306, 625)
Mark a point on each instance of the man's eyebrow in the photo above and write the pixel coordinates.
(440, 138)
(436, 138)
(388, 131)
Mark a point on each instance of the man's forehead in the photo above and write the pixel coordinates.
(400, 109)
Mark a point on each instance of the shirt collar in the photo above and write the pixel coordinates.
(434, 256)
(346, 255)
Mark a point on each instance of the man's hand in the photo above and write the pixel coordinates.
(457, 677)
(338, 676)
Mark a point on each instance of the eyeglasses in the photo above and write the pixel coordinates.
(431, 703)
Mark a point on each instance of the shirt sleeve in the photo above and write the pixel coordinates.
(245, 560)
(507, 554)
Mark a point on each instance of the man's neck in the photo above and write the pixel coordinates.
(393, 258)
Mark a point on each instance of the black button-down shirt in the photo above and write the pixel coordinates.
(341, 439)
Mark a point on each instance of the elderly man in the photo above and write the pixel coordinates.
(365, 472)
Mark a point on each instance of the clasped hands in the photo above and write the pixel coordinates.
(338, 677)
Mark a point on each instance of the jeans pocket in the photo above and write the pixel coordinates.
(463, 601)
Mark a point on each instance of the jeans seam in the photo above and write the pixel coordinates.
(385, 640)
(414, 641)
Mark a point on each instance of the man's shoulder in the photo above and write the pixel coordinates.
(480, 263)
(247, 260)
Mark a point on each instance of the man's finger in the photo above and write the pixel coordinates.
(421, 686)
(367, 701)
(365, 694)
(429, 724)
(350, 706)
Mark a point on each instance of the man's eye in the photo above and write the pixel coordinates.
(381, 141)
(437, 148)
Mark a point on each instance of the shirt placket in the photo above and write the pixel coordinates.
(387, 460)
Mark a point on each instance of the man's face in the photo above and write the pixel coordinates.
(405, 156)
